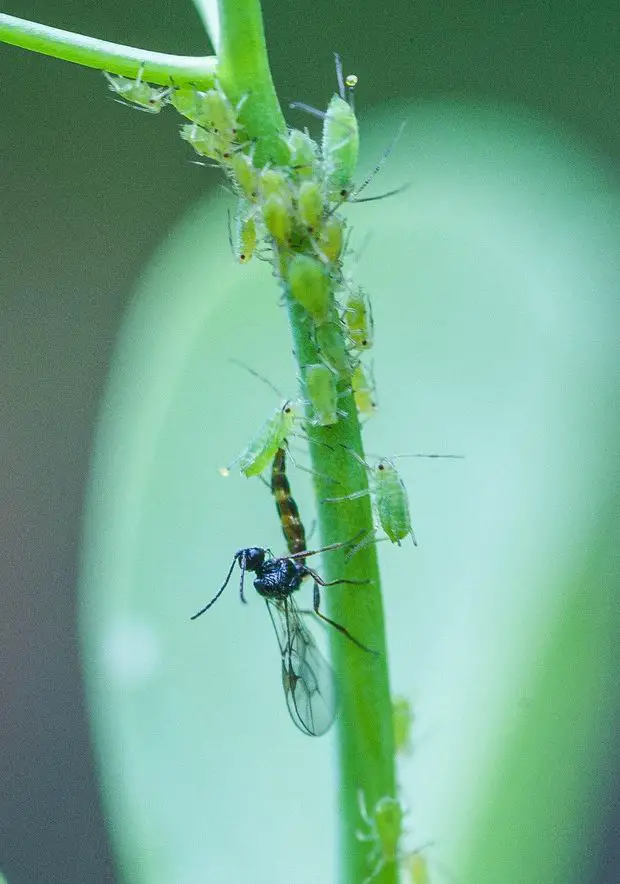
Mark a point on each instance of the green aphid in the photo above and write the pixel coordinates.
(310, 205)
(273, 182)
(357, 318)
(385, 829)
(388, 493)
(363, 392)
(273, 434)
(340, 146)
(330, 240)
(243, 238)
(303, 154)
(310, 285)
(330, 342)
(391, 501)
(323, 394)
(147, 98)
(244, 175)
(202, 140)
(186, 100)
(402, 719)
(277, 218)
(217, 113)
(416, 866)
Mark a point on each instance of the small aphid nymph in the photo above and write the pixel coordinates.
(357, 317)
(323, 394)
(385, 829)
(243, 236)
(262, 449)
(402, 719)
(363, 392)
(145, 97)
(309, 284)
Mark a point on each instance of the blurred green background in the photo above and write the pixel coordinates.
(495, 288)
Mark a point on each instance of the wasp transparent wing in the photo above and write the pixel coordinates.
(308, 680)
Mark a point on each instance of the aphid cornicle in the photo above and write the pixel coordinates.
(308, 681)
(145, 97)
(257, 456)
(323, 394)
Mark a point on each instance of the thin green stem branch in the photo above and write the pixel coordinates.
(158, 67)
(364, 729)
(243, 71)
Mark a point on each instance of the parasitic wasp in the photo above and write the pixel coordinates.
(308, 680)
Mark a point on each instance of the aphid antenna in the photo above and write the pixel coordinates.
(432, 456)
(208, 166)
(307, 108)
(353, 196)
(311, 471)
(259, 376)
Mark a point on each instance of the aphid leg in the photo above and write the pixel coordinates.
(312, 552)
(368, 540)
(316, 601)
(361, 801)
(237, 558)
(353, 496)
(308, 469)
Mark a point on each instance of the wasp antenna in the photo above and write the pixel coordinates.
(218, 594)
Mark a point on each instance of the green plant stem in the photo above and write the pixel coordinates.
(364, 729)
(243, 71)
(159, 67)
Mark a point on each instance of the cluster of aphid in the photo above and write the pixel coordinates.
(383, 825)
(288, 214)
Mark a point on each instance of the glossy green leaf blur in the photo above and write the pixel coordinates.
(492, 284)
